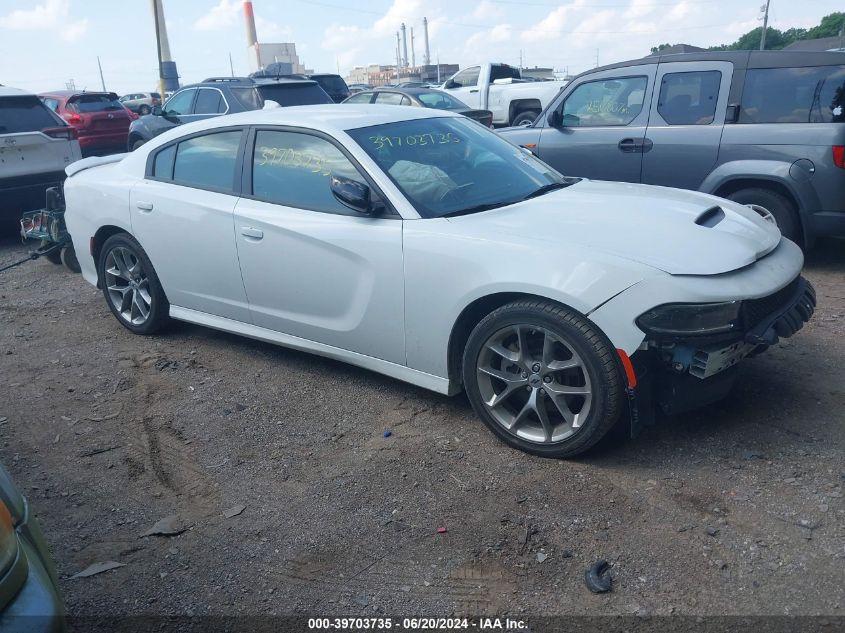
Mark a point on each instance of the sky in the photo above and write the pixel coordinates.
(45, 43)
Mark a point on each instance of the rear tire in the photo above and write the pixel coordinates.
(135, 144)
(54, 257)
(784, 212)
(543, 378)
(68, 258)
(525, 118)
(131, 286)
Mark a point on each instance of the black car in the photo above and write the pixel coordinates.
(421, 98)
(334, 85)
(224, 95)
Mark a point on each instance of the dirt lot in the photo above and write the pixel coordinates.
(737, 509)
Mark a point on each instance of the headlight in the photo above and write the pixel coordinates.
(8, 540)
(691, 319)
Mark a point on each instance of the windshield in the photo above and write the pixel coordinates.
(294, 94)
(94, 103)
(453, 165)
(440, 101)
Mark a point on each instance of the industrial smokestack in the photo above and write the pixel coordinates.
(427, 56)
(404, 45)
(413, 54)
(249, 17)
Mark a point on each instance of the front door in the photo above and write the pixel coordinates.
(601, 127)
(464, 86)
(686, 123)
(312, 267)
(183, 216)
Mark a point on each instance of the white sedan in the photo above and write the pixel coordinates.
(421, 245)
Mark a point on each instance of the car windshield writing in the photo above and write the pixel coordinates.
(452, 165)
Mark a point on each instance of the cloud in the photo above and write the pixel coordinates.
(220, 16)
(272, 32)
(52, 15)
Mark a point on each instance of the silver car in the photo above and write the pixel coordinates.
(141, 102)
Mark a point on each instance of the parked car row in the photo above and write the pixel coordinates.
(101, 121)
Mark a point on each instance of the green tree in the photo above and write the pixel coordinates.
(829, 26)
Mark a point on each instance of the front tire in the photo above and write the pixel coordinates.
(131, 286)
(779, 206)
(543, 378)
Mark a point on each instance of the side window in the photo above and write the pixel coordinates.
(814, 94)
(208, 161)
(209, 101)
(606, 102)
(467, 77)
(295, 170)
(689, 98)
(389, 98)
(180, 103)
(163, 163)
(52, 104)
(361, 97)
(405, 101)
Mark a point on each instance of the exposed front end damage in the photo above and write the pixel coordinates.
(677, 373)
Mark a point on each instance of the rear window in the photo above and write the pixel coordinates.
(814, 94)
(249, 98)
(294, 94)
(25, 114)
(93, 103)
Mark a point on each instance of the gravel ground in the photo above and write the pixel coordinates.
(736, 509)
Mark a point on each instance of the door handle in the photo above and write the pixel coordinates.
(647, 145)
(144, 206)
(630, 146)
(250, 232)
(476, 90)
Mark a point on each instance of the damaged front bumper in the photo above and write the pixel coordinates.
(677, 374)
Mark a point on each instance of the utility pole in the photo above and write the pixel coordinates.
(765, 10)
(158, 51)
(102, 81)
(231, 65)
(597, 58)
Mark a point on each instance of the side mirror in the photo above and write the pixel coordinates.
(554, 119)
(157, 111)
(449, 84)
(570, 120)
(353, 194)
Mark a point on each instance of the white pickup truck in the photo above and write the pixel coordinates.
(500, 89)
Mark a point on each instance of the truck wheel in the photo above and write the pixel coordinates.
(784, 212)
(525, 118)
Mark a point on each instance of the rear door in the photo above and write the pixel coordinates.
(686, 122)
(182, 214)
(601, 127)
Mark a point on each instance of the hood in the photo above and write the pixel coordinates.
(676, 231)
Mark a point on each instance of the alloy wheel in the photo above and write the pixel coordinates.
(534, 384)
(128, 285)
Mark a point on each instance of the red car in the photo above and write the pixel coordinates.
(99, 118)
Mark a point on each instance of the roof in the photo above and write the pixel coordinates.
(820, 44)
(415, 90)
(5, 91)
(73, 93)
(330, 118)
(250, 81)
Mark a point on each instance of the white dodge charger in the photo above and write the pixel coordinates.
(421, 245)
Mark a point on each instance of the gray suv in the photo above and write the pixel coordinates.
(765, 128)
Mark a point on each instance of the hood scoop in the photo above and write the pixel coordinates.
(711, 217)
